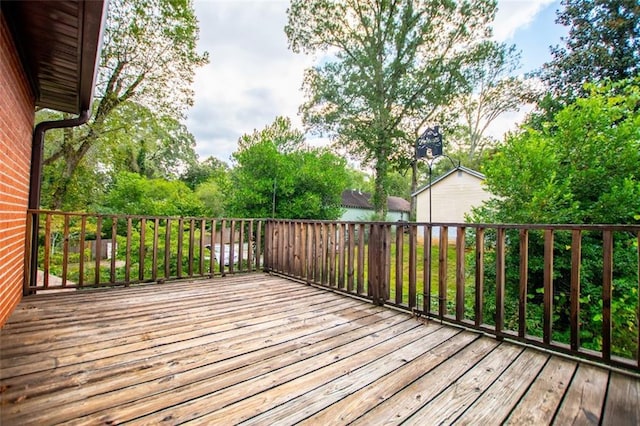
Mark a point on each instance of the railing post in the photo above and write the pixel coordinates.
(374, 264)
(30, 258)
(268, 245)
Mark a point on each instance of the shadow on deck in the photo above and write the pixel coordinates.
(263, 350)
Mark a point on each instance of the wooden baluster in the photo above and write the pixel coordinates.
(460, 279)
(127, 261)
(500, 280)
(576, 257)
(167, 249)
(83, 230)
(607, 281)
(341, 255)
(154, 253)
(524, 278)
(250, 245)
(98, 250)
(114, 233)
(442, 271)
(386, 265)
(310, 252)
(399, 264)
(547, 331)
(361, 250)
(203, 231)
(331, 244)
(479, 305)
(232, 246)
(47, 250)
(223, 226)
(413, 265)
(212, 253)
(426, 268)
(351, 248)
(258, 243)
(142, 252)
(376, 256)
(65, 251)
(191, 244)
(180, 242)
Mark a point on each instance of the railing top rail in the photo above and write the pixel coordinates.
(552, 226)
(137, 216)
(541, 226)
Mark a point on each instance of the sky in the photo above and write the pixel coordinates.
(253, 77)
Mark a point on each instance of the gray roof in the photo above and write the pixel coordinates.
(361, 200)
(59, 47)
(472, 172)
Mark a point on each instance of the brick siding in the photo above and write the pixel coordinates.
(16, 127)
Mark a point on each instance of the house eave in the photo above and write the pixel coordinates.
(59, 45)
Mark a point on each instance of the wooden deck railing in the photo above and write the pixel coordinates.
(80, 250)
(567, 288)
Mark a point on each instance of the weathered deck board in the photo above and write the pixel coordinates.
(263, 350)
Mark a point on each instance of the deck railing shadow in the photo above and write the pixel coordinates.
(567, 288)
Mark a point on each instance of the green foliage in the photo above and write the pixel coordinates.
(148, 64)
(392, 65)
(580, 168)
(131, 193)
(302, 183)
(357, 179)
(140, 141)
(200, 172)
(603, 43)
(211, 182)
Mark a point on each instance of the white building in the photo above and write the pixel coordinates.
(452, 196)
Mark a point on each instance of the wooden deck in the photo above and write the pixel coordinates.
(264, 350)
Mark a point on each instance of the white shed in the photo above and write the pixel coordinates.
(453, 195)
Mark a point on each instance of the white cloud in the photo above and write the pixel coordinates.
(253, 77)
(514, 15)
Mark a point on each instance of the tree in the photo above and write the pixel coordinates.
(148, 58)
(603, 43)
(494, 91)
(131, 193)
(392, 64)
(211, 182)
(580, 168)
(200, 172)
(279, 133)
(141, 142)
(303, 183)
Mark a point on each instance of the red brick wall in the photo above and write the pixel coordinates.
(16, 126)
